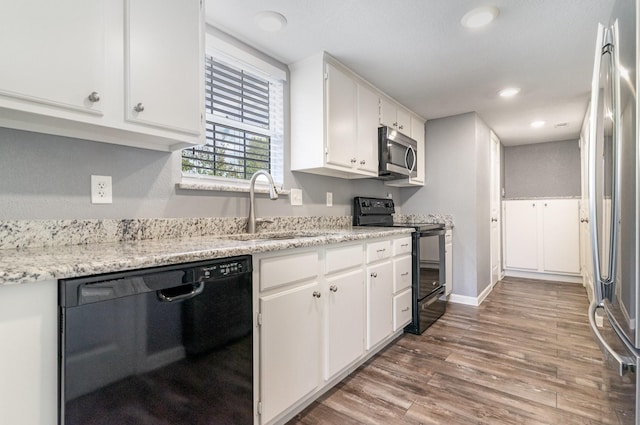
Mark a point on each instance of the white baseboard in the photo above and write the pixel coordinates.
(474, 301)
(543, 276)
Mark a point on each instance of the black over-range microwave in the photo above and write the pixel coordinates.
(396, 155)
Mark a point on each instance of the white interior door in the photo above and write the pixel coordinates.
(495, 209)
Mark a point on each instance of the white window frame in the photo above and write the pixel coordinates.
(229, 53)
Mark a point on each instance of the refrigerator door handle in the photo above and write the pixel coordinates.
(622, 363)
(604, 284)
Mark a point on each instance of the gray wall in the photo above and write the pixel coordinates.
(48, 177)
(457, 182)
(542, 170)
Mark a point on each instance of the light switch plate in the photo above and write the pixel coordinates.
(296, 197)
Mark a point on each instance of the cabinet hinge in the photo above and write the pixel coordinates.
(326, 75)
(259, 319)
(259, 408)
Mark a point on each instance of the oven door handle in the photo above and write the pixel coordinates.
(196, 289)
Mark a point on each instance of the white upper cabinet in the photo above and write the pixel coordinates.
(341, 92)
(395, 116)
(335, 115)
(334, 120)
(53, 54)
(163, 83)
(119, 71)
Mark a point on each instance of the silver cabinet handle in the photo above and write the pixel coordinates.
(333, 288)
(404, 245)
(374, 274)
(405, 274)
(401, 127)
(381, 250)
(405, 309)
(139, 107)
(316, 294)
(395, 124)
(494, 220)
(94, 97)
(363, 162)
(584, 220)
(353, 160)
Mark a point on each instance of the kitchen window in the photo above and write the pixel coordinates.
(244, 121)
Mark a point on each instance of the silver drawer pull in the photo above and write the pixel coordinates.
(333, 288)
(404, 245)
(382, 250)
(316, 294)
(405, 274)
(374, 274)
(405, 309)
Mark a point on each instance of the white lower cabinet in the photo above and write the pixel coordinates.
(542, 235)
(29, 354)
(290, 337)
(379, 307)
(345, 320)
(321, 312)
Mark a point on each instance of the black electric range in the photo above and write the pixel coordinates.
(428, 276)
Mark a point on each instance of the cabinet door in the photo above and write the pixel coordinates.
(521, 234)
(401, 273)
(345, 320)
(388, 113)
(561, 236)
(341, 118)
(367, 148)
(448, 262)
(164, 70)
(29, 355)
(379, 302)
(403, 119)
(417, 133)
(53, 53)
(289, 347)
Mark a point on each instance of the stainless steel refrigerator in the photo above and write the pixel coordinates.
(613, 206)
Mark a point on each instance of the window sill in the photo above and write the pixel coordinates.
(227, 187)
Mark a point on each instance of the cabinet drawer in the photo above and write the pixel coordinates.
(278, 271)
(402, 246)
(401, 309)
(378, 251)
(401, 273)
(343, 257)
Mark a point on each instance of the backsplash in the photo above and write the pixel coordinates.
(16, 234)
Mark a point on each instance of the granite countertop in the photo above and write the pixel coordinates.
(32, 264)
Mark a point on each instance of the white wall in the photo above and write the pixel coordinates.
(457, 182)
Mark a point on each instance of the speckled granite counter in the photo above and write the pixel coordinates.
(32, 264)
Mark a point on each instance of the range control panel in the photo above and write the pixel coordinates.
(372, 211)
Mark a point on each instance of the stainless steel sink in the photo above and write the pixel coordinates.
(253, 237)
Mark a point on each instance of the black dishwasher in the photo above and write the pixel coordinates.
(163, 345)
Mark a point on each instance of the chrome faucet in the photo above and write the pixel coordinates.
(273, 195)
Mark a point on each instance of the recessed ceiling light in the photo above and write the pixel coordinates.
(270, 21)
(509, 92)
(479, 17)
(537, 124)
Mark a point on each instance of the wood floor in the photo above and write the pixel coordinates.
(525, 356)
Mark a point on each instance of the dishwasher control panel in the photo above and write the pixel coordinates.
(222, 269)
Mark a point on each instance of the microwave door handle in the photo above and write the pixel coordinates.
(406, 159)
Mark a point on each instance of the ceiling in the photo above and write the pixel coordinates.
(417, 52)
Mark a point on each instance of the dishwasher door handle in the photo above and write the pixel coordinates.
(196, 289)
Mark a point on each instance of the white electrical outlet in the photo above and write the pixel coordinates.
(296, 197)
(329, 199)
(101, 192)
